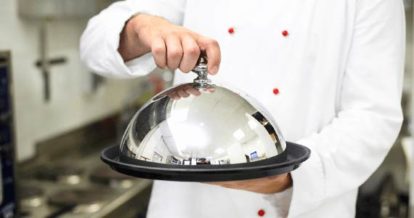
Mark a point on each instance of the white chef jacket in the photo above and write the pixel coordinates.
(329, 72)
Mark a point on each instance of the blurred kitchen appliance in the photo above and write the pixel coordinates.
(211, 133)
(7, 142)
(385, 201)
(46, 11)
(66, 179)
(45, 62)
(61, 9)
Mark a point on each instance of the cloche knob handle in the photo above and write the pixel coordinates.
(201, 70)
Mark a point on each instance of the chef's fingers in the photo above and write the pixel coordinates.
(182, 93)
(174, 95)
(276, 177)
(225, 184)
(193, 91)
(210, 89)
(174, 51)
(159, 52)
(238, 186)
(212, 49)
(191, 52)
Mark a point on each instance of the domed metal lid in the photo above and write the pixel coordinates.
(203, 132)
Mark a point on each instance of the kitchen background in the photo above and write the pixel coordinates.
(62, 112)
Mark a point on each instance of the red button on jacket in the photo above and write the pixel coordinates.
(261, 212)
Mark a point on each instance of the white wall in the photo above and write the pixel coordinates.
(71, 105)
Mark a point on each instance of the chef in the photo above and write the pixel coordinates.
(329, 72)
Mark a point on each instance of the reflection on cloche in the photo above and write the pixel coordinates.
(203, 132)
(201, 124)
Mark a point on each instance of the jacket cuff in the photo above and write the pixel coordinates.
(308, 183)
(280, 201)
(144, 64)
(136, 67)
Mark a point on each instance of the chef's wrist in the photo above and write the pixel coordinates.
(130, 45)
(281, 185)
(288, 183)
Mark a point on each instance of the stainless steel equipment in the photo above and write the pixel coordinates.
(201, 131)
(60, 9)
(67, 180)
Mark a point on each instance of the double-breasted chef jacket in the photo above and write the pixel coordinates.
(329, 72)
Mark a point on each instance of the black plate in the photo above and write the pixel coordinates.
(285, 162)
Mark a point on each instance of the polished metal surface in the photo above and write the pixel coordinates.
(201, 123)
(98, 191)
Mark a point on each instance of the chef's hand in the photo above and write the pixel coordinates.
(172, 46)
(267, 185)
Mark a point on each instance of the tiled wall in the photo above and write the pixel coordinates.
(72, 103)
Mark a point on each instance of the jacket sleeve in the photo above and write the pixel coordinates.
(100, 40)
(369, 116)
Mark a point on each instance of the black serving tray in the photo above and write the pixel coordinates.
(287, 161)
